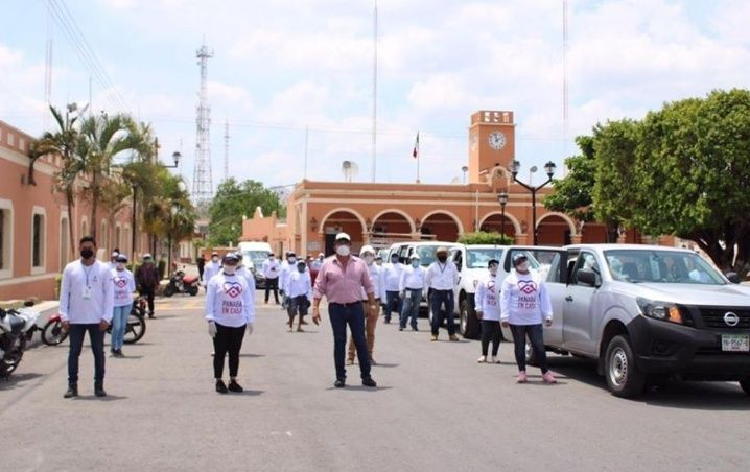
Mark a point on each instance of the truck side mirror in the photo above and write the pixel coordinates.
(733, 277)
(587, 277)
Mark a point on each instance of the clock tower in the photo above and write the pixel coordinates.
(492, 141)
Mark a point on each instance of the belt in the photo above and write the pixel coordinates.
(346, 304)
(420, 288)
(442, 289)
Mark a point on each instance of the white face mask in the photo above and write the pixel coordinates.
(292, 260)
(120, 265)
(369, 259)
(215, 259)
(230, 270)
(343, 250)
(523, 266)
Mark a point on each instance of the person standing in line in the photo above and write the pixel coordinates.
(411, 287)
(371, 311)
(391, 284)
(244, 271)
(340, 280)
(147, 279)
(112, 260)
(201, 263)
(441, 277)
(487, 309)
(524, 306)
(212, 268)
(229, 312)
(286, 268)
(86, 306)
(298, 290)
(123, 285)
(271, 269)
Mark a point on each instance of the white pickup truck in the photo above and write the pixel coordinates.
(472, 260)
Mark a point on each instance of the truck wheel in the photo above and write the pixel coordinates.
(624, 379)
(745, 384)
(469, 322)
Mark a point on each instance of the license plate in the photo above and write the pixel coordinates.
(735, 343)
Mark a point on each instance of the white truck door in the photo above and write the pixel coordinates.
(577, 316)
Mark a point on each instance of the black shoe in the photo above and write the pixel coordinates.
(339, 383)
(72, 391)
(414, 328)
(234, 387)
(368, 382)
(221, 387)
(99, 390)
(387, 321)
(400, 328)
(151, 315)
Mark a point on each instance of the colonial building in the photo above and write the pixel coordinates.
(379, 214)
(35, 239)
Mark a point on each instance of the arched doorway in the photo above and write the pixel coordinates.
(390, 226)
(442, 225)
(346, 221)
(494, 222)
(554, 230)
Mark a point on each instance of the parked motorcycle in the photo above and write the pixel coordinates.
(16, 328)
(181, 283)
(54, 334)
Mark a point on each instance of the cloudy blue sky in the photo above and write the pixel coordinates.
(282, 65)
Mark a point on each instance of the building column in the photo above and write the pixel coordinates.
(576, 238)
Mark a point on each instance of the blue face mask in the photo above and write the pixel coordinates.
(415, 263)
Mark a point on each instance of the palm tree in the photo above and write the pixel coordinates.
(140, 173)
(64, 141)
(101, 139)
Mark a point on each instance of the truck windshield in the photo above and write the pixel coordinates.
(256, 257)
(479, 258)
(661, 267)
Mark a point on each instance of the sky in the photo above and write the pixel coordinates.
(282, 67)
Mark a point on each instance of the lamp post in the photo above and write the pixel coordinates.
(502, 198)
(176, 156)
(549, 167)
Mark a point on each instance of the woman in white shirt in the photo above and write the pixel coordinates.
(229, 311)
(298, 290)
(123, 285)
(488, 310)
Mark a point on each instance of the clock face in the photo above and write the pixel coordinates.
(497, 140)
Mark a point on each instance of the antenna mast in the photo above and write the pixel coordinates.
(202, 180)
(565, 83)
(374, 92)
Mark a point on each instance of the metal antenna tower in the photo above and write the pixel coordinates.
(565, 83)
(226, 151)
(48, 68)
(203, 190)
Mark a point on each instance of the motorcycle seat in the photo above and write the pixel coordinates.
(14, 322)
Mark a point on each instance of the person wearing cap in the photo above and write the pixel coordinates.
(524, 306)
(123, 286)
(298, 290)
(212, 268)
(244, 271)
(112, 259)
(147, 279)
(391, 286)
(286, 268)
(487, 310)
(440, 279)
(271, 269)
(229, 312)
(411, 287)
(367, 253)
(340, 280)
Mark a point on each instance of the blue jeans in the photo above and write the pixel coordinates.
(440, 298)
(119, 323)
(353, 315)
(391, 298)
(536, 337)
(77, 334)
(412, 299)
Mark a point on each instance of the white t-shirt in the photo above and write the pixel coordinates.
(123, 285)
(485, 299)
(229, 301)
(524, 300)
(86, 295)
(412, 277)
(271, 268)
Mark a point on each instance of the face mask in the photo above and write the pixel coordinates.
(214, 259)
(343, 250)
(301, 269)
(230, 269)
(493, 270)
(442, 258)
(415, 263)
(292, 260)
(369, 259)
(146, 261)
(379, 263)
(523, 266)
(394, 260)
(120, 265)
(87, 253)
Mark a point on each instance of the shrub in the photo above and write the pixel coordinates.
(482, 237)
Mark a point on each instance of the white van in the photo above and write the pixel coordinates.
(253, 255)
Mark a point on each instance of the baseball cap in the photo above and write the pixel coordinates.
(442, 249)
(414, 256)
(121, 258)
(367, 249)
(343, 237)
(518, 258)
(231, 257)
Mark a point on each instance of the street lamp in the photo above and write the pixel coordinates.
(502, 198)
(176, 156)
(464, 169)
(549, 168)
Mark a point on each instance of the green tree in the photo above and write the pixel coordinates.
(693, 173)
(484, 237)
(573, 193)
(233, 200)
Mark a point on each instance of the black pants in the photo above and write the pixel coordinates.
(149, 293)
(273, 284)
(96, 336)
(537, 344)
(490, 332)
(227, 340)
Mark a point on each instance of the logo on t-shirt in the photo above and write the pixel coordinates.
(527, 287)
(233, 289)
(120, 282)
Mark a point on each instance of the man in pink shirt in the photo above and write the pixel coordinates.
(341, 279)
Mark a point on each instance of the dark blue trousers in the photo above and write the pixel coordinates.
(77, 335)
(440, 298)
(353, 315)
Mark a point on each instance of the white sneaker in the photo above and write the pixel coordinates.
(482, 359)
(495, 360)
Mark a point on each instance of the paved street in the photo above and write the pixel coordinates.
(434, 409)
